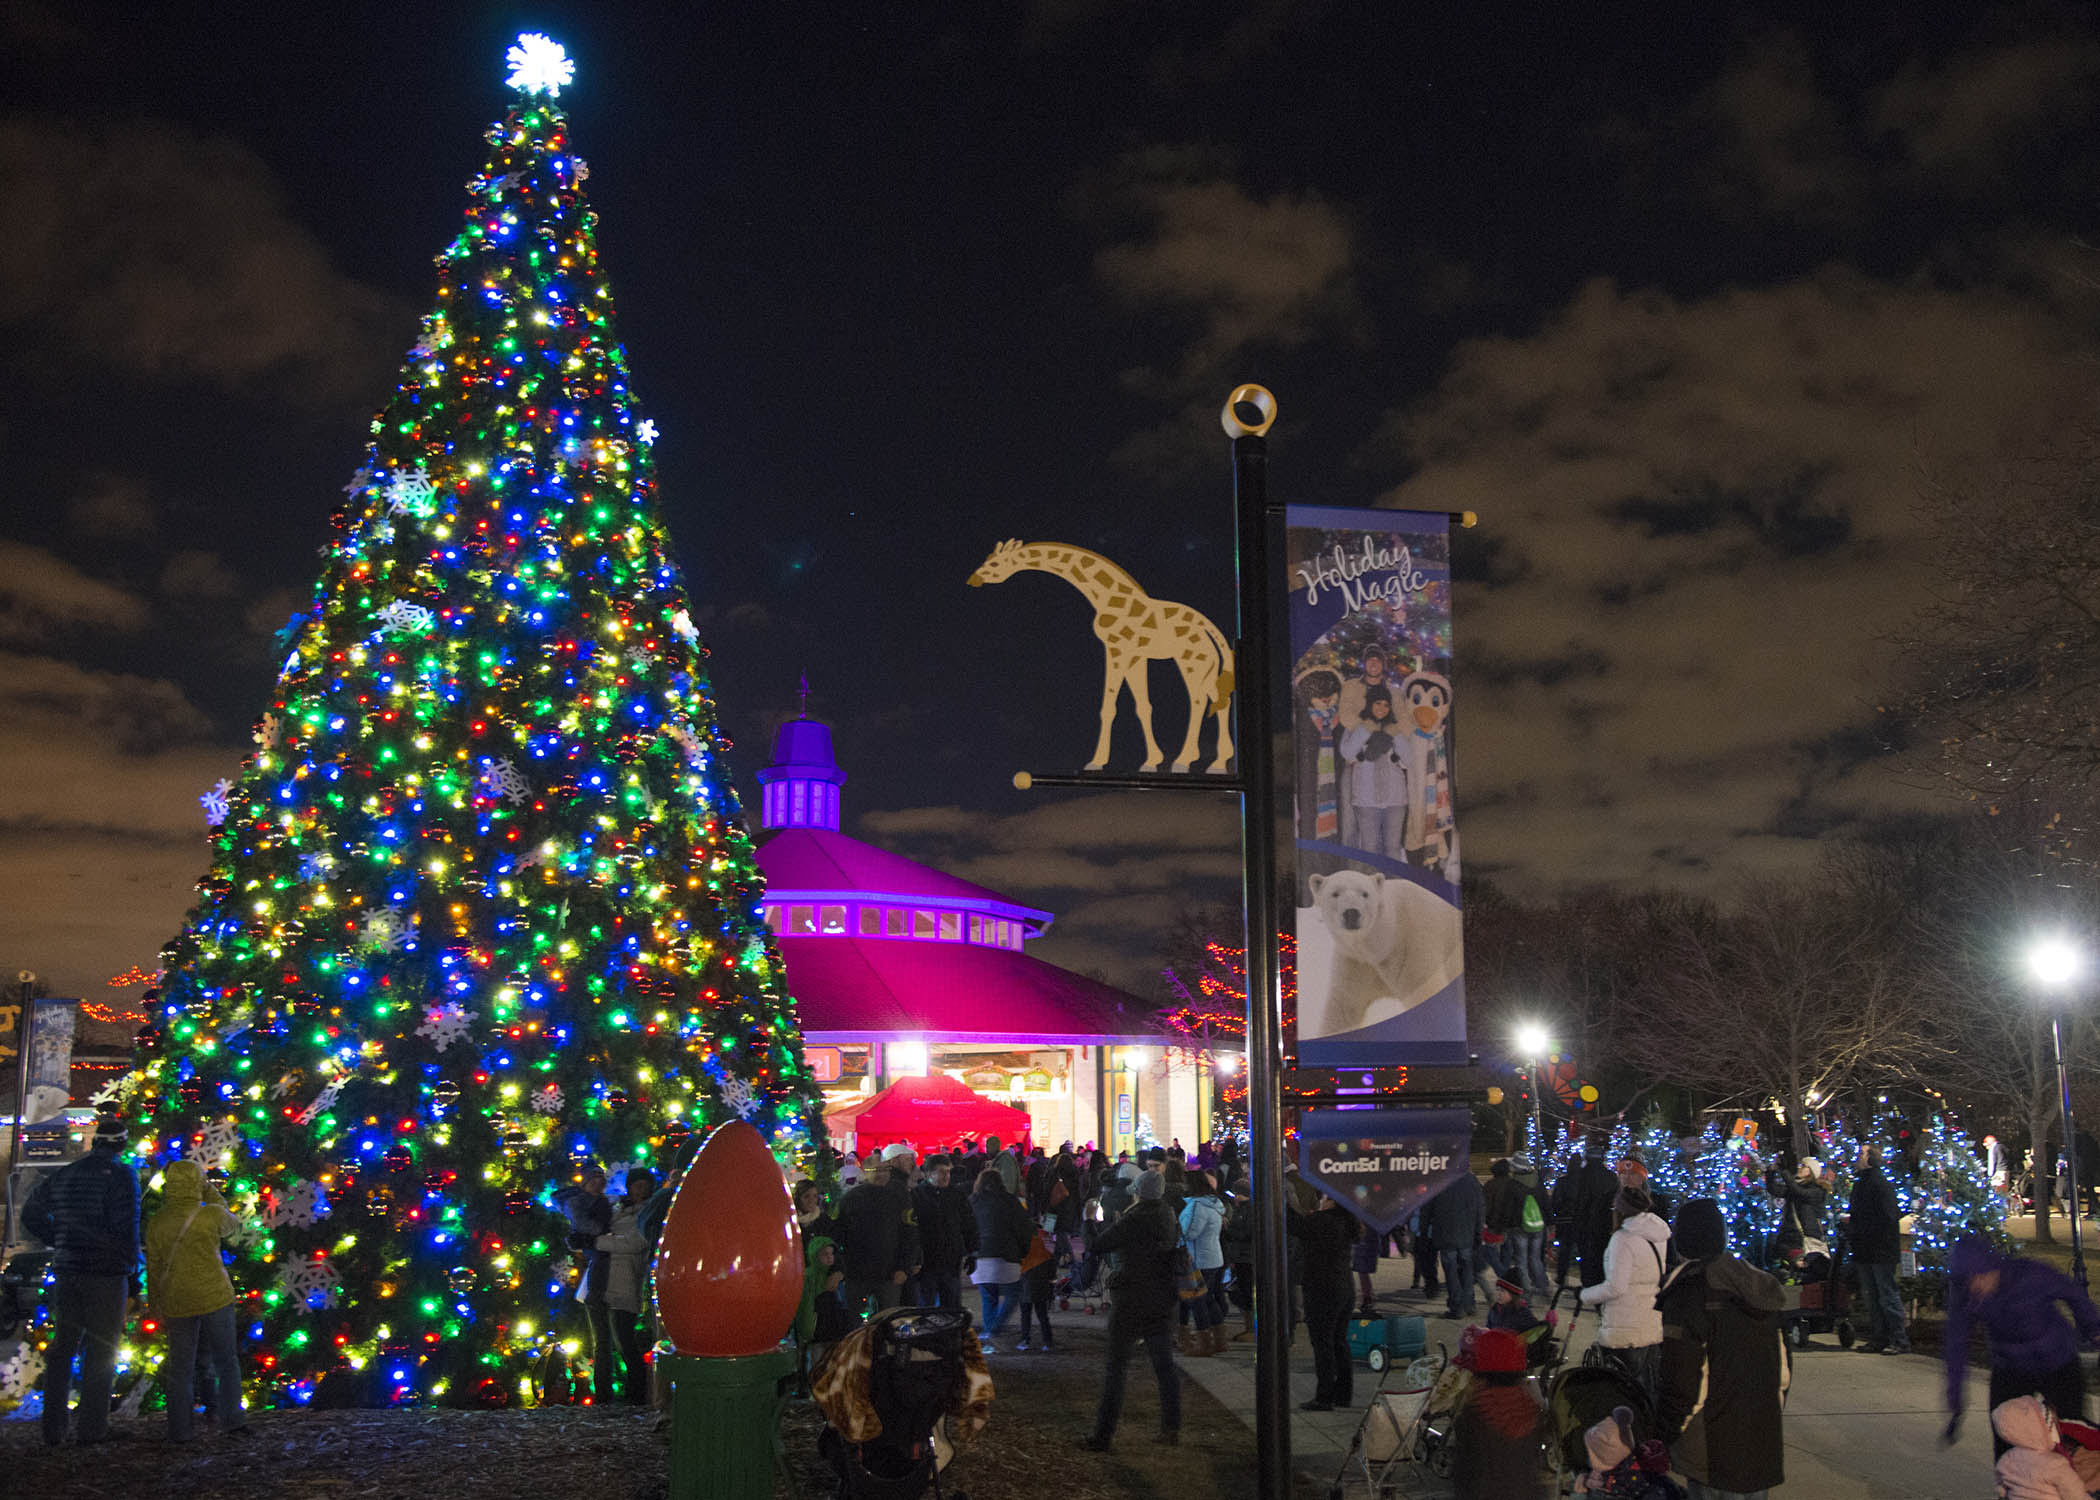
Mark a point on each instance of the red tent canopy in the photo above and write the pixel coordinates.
(928, 1113)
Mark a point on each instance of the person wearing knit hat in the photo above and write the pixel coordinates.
(1801, 1200)
(1498, 1443)
(1724, 1363)
(1142, 1301)
(88, 1213)
(2020, 1302)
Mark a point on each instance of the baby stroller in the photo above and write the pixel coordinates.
(897, 1393)
(1581, 1397)
(1819, 1297)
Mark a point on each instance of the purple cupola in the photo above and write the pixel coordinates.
(801, 788)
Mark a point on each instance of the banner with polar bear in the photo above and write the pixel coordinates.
(1381, 970)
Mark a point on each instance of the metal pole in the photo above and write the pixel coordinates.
(1272, 1381)
(25, 1025)
(2063, 1085)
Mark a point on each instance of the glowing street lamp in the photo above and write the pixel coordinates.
(1533, 1043)
(2056, 964)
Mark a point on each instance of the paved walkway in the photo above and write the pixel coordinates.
(1858, 1426)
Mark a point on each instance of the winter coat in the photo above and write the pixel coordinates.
(1141, 1290)
(1593, 1189)
(627, 1255)
(947, 1228)
(1802, 1217)
(1458, 1214)
(1324, 1239)
(1634, 1262)
(589, 1214)
(1498, 1444)
(1724, 1374)
(185, 1277)
(819, 1297)
(1877, 1221)
(1004, 1230)
(88, 1213)
(1201, 1219)
(1502, 1201)
(1236, 1236)
(876, 1232)
(2032, 1468)
(2027, 1332)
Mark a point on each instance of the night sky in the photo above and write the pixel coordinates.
(1689, 311)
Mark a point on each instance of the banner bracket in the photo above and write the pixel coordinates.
(1109, 781)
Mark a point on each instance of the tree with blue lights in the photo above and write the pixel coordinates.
(482, 905)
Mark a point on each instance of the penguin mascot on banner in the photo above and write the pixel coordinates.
(1431, 830)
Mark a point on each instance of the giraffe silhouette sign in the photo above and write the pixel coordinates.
(1135, 630)
(1381, 972)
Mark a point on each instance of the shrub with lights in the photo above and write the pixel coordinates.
(482, 904)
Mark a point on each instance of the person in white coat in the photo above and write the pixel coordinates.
(627, 1296)
(1634, 1261)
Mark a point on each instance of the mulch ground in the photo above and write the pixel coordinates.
(1044, 1403)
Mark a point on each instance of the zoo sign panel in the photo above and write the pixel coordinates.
(1384, 1164)
(1381, 969)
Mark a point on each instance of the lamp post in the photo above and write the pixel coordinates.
(1533, 1044)
(2055, 964)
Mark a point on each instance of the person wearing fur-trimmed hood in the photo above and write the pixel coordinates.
(1725, 1368)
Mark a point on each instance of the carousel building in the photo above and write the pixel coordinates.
(899, 970)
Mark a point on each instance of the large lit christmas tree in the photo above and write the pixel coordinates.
(482, 906)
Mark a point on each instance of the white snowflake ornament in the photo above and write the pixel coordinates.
(218, 802)
(688, 744)
(322, 1101)
(19, 1374)
(218, 1141)
(409, 492)
(738, 1094)
(117, 1091)
(388, 929)
(645, 432)
(296, 1207)
(446, 1024)
(502, 778)
(403, 617)
(548, 1101)
(310, 1279)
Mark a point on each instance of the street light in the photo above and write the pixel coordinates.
(2056, 963)
(1533, 1043)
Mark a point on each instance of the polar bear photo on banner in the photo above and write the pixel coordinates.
(1388, 944)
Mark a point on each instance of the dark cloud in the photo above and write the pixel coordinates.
(1752, 521)
(112, 507)
(196, 575)
(41, 593)
(158, 252)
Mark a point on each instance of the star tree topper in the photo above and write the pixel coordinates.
(538, 65)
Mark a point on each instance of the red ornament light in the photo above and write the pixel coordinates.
(729, 1266)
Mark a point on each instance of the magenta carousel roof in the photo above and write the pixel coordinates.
(877, 945)
(850, 989)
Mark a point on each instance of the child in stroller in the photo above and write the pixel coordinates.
(895, 1392)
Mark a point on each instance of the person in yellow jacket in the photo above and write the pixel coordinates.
(192, 1296)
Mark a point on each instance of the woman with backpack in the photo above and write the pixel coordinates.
(1526, 1246)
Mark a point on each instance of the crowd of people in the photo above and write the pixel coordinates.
(1168, 1238)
